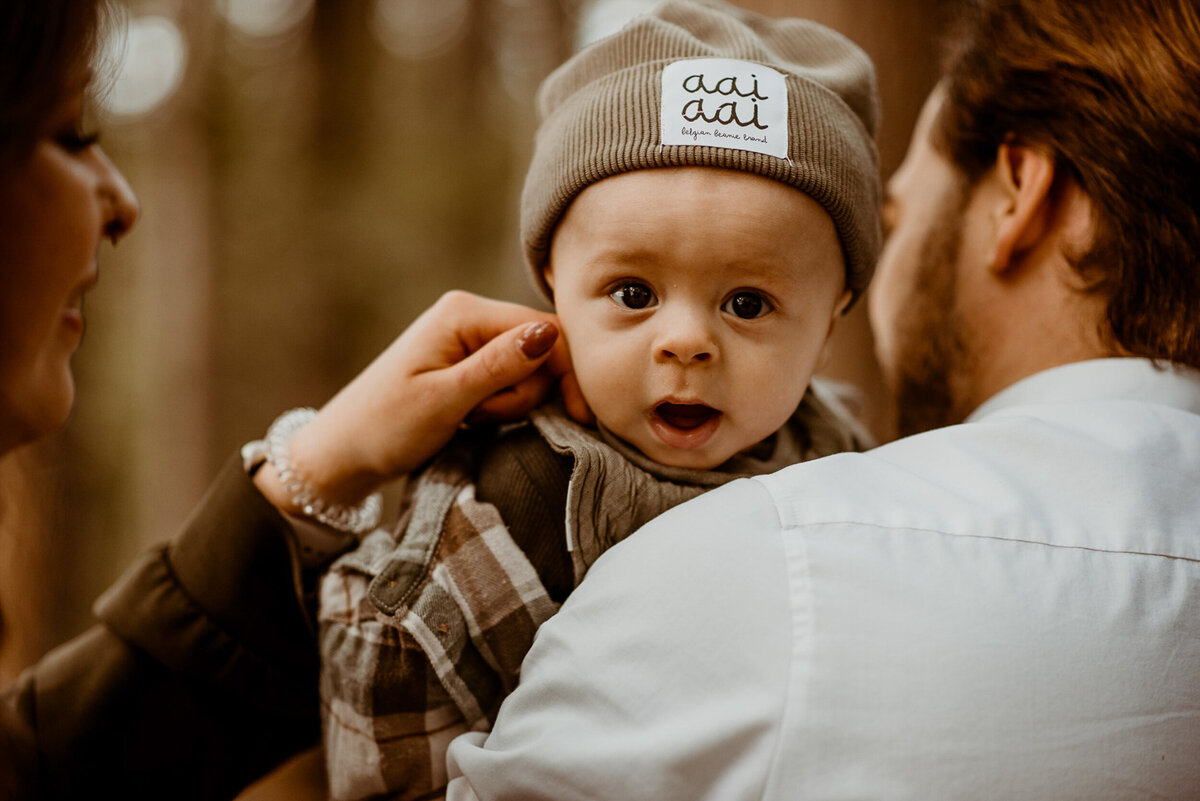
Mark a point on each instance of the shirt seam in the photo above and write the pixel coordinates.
(790, 689)
(994, 537)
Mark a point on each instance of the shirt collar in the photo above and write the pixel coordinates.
(1101, 379)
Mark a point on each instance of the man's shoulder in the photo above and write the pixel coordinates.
(970, 474)
(852, 486)
(1114, 476)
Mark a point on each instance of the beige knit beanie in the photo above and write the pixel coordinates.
(787, 99)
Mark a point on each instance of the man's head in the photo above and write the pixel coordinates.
(1047, 210)
(694, 150)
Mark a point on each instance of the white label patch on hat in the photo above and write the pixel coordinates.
(724, 102)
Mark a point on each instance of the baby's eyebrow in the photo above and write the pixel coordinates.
(624, 256)
(638, 262)
(768, 278)
(608, 264)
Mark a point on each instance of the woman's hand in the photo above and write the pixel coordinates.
(465, 358)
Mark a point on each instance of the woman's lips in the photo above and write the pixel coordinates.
(72, 316)
(684, 425)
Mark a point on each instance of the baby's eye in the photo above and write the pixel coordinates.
(633, 295)
(747, 305)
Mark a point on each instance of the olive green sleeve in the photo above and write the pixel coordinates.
(200, 677)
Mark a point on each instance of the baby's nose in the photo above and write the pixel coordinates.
(686, 339)
(685, 354)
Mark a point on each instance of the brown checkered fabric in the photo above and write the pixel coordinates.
(422, 632)
(422, 638)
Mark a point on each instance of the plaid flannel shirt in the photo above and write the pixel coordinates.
(422, 632)
(422, 639)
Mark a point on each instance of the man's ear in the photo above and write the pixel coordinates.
(1025, 177)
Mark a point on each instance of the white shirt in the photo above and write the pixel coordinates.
(1007, 609)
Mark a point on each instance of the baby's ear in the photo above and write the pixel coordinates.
(839, 309)
(548, 277)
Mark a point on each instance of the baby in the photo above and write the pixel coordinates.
(701, 209)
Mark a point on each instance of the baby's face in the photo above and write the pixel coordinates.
(696, 303)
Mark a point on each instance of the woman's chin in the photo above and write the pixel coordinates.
(48, 413)
(36, 397)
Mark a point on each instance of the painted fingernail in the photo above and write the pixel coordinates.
(537, 339)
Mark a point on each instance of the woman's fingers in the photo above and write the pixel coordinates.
(514, 402)
(503, 365)
(461, 323)
(465, 356)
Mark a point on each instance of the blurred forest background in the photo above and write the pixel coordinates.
(313, 174)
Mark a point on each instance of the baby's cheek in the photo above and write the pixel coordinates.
(777, 397)
(598, 391)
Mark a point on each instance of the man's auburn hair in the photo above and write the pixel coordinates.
(1112, 91)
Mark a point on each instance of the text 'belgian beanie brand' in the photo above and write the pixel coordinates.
(701, 83)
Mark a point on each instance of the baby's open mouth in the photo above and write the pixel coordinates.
(685, 416)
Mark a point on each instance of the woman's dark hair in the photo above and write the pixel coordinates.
(1112, 91)
(43, 45)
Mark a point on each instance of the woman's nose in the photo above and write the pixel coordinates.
(120, 204)
(685, 337)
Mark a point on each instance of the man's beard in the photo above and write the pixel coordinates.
(932, 355)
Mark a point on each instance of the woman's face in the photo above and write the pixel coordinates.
(56, 204)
